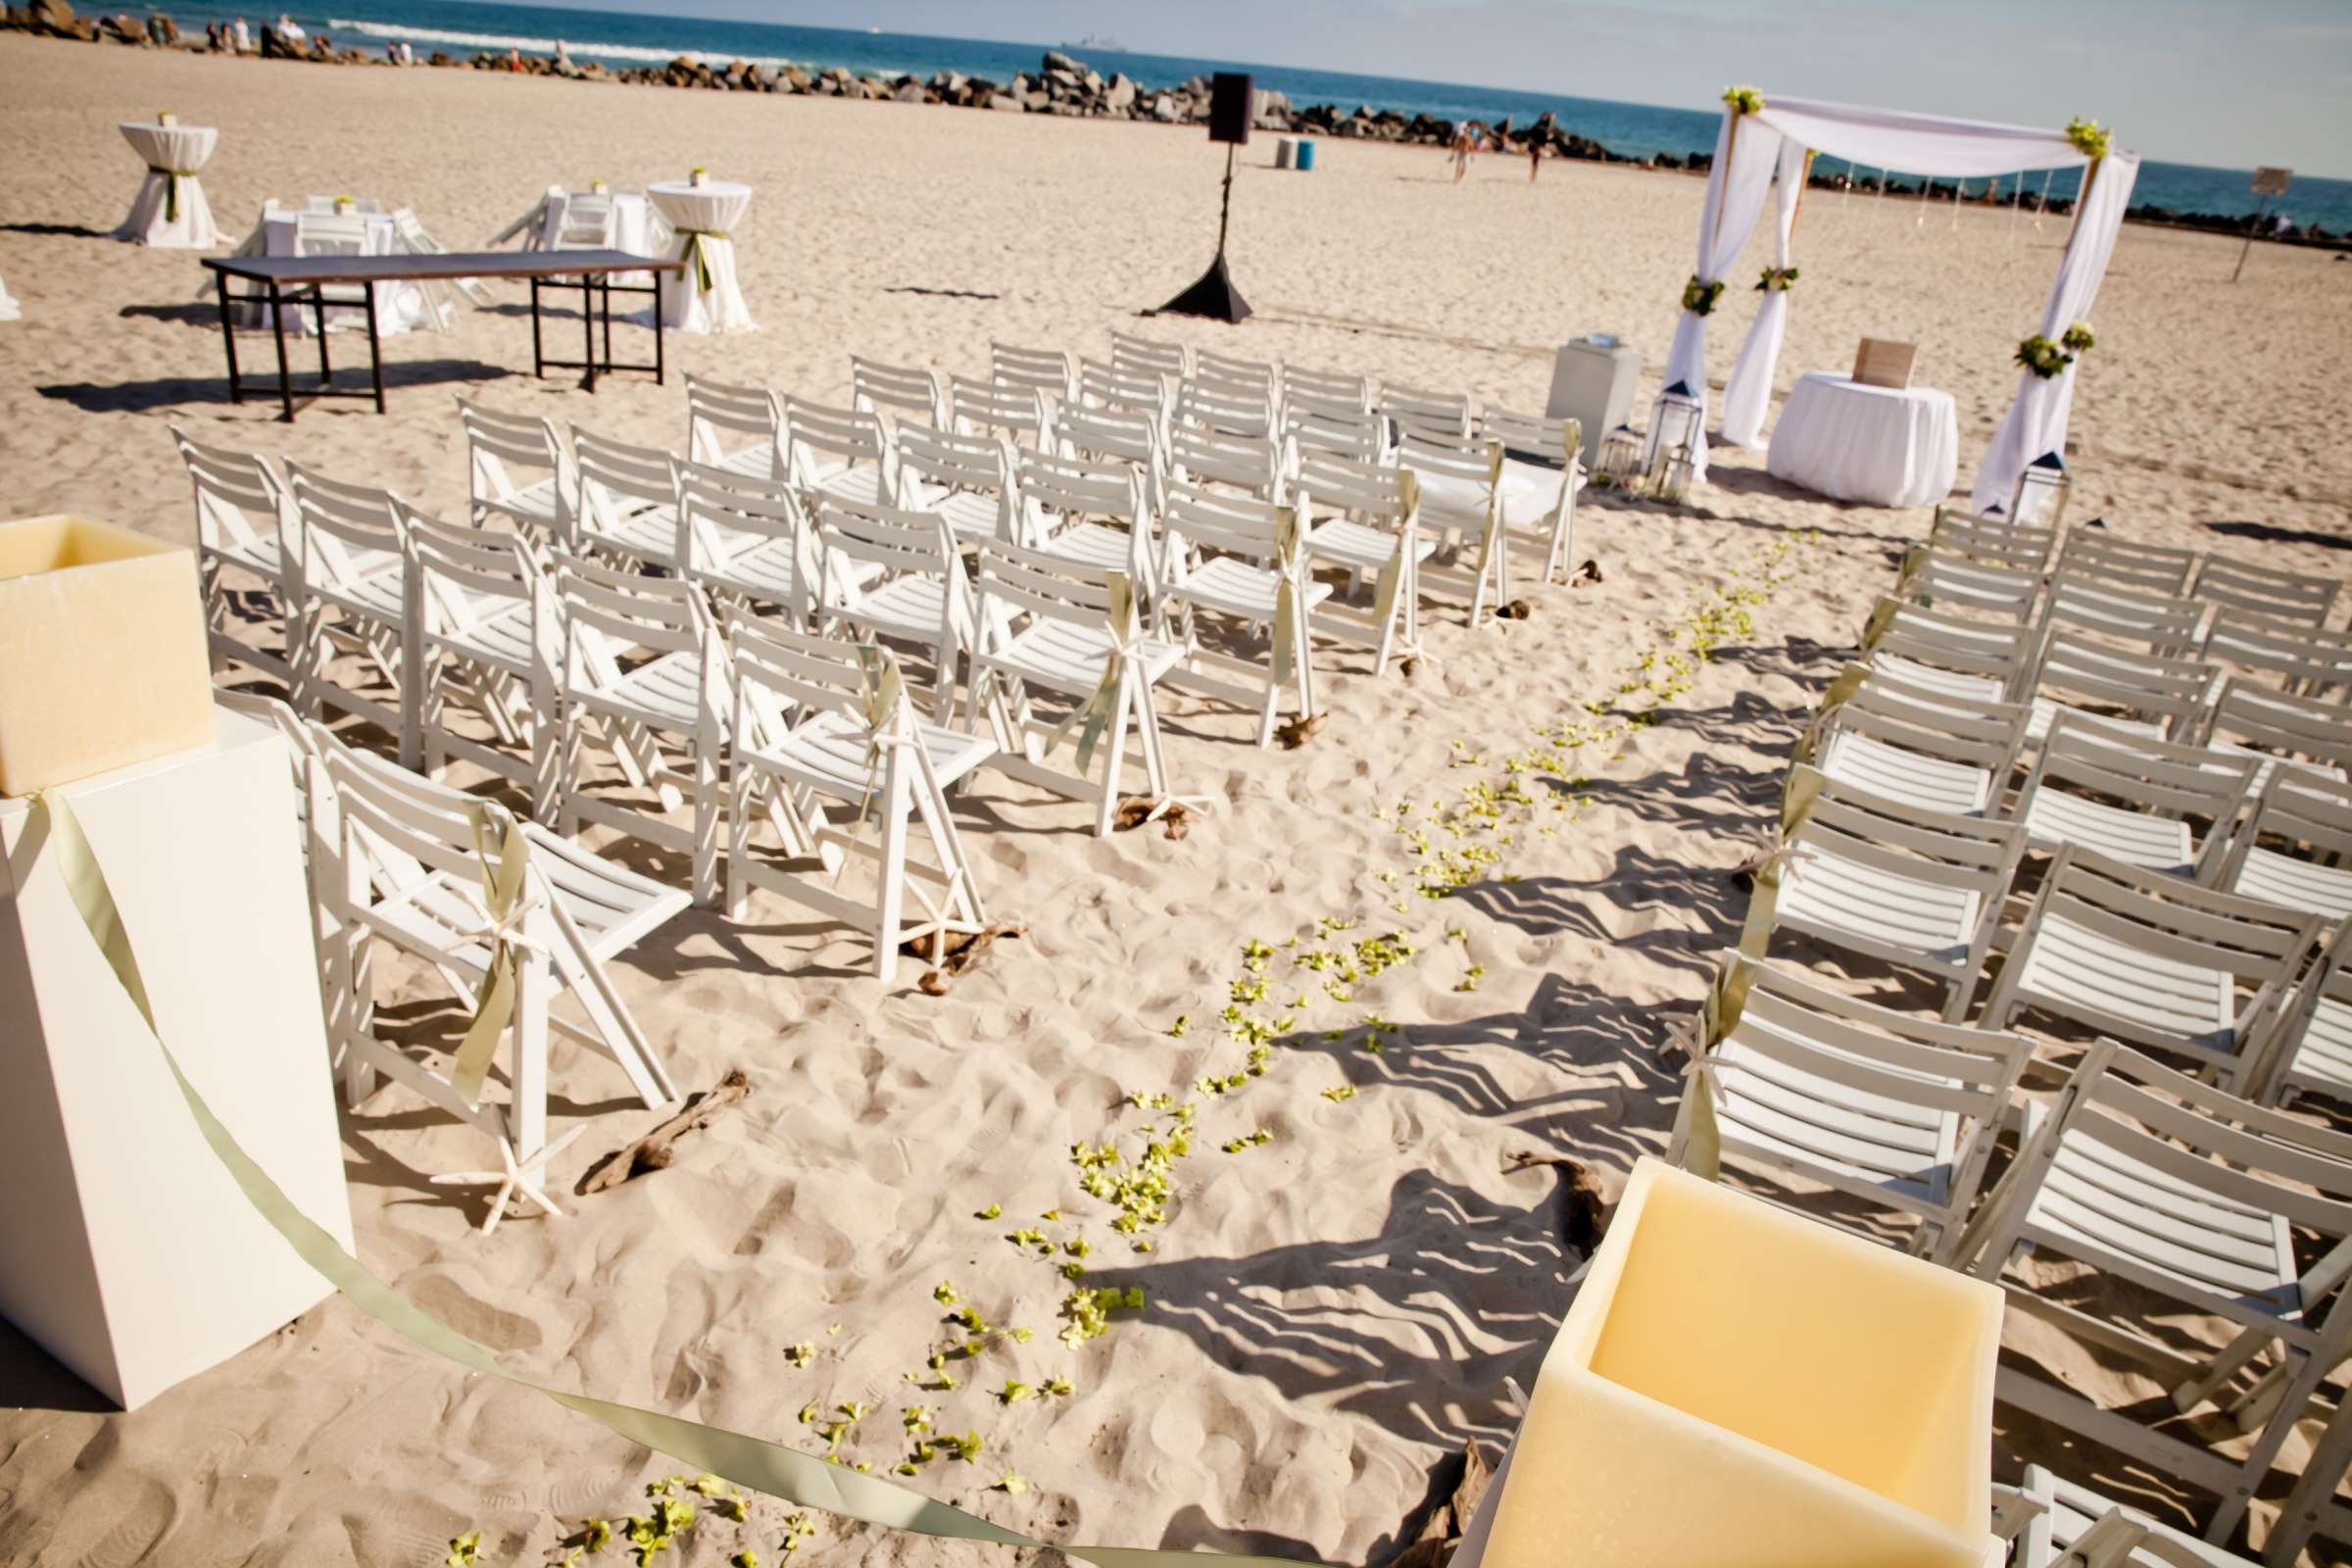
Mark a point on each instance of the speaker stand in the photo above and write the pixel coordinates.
(1214, 295)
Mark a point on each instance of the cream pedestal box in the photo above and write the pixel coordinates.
(126, 1250)
(1740, 1387)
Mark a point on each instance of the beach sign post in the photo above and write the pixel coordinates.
(1231, 102)
(2267, 182)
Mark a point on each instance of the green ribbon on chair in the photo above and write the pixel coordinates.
(1718, 1015)
(1804, 789)
(172, 179)
(1286, 596)
(1881, 617)
(503, 902)
(799, 1480)
(697, 242)
(1093, 716)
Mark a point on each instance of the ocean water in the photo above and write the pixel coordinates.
(1637, 130)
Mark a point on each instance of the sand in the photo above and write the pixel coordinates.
(1329, 1313)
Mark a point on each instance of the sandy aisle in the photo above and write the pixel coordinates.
(1329, 1311)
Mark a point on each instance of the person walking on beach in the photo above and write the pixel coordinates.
(1464, 138)
(1538, 137)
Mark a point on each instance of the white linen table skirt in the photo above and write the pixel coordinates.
(399, 307)
(1886, 446)
(632, 230)
(708, 215)
(171, 210)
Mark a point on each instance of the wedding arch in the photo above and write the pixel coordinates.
(1764, 144)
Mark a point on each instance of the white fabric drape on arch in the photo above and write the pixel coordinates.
(1917, 144)
(2036, 421)
(1747, 395)
(1736, 189)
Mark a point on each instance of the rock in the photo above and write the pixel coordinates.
(439, 57)
(795, 79)
(52, 19)
(908, 91)
(1006, 102)
(1055, 60)
(122, 29)
(1119, 96)
(276, 46)
(1037, 102)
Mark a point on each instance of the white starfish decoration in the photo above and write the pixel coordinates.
(519, 1176)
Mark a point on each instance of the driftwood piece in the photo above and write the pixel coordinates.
(964, 949)
(1137, 810)
(1296, 732)
(1587, 1219)
(657, 1148)
(1432, 1545)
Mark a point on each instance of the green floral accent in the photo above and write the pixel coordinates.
(1776, 280)
(2042, 357)
(1744, 100)
(2088, 137)
(1700, 295)
(2078, 337)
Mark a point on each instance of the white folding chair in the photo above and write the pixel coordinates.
(1543, 470)
(720, 416)
(964, 480)
(2074, 1527)
(2144, 694)
(242, 528)
(1255, 465)
(1260, 377)
(1438, 414)
(488, 628)
(2159, 623)
(1051, 372)
(2102, 556)
(1995, 541)
(2308, 660)
(2154, 960)
(1224, 407)
(2312, 1051)
(1918, 890)
(826, 743)
(591, 222)
(1948, 581)
(626, 507)
(902, 394)
(1054, 628)
(2133, 799)
(2280, 729)
(1311, 431)
(836, 452)
(1364, 520)
(498, 443)
(2191, 1195)
(1936, 649)
(642, 662)
(354, 592)
(1097, 515)
(1894, 1109)
(416, 242)
(1459, 479)
(749, 541)
(2309, 819)
(1323, 390)
(897, 574)
(1240, 561)
(987, 408)
(1928, 749)
(1150, 357)
(1105, 437)
(1126, 388)
(2269, 591)
(417, 865)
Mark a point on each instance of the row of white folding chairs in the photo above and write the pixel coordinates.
(2010, 557)
(2149, 1175)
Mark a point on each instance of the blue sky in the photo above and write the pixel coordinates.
(2230, 83)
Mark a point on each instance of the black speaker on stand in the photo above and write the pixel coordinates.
(1231, 105)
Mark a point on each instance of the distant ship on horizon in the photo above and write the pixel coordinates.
(1100, 44)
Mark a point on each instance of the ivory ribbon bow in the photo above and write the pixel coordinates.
(802, 1480)
(1126, 635)
(1850, 680)
(1287, 606)
(505, 911)
(880, 687)
(1782, 851)
(1391, 575)
(1698, 1034)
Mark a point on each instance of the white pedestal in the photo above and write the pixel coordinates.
(1596, 384)
(126, 1250)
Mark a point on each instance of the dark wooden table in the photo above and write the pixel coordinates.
(319, 283)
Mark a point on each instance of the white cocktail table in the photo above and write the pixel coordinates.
(1882, 445)
(705, 298)
(170, 209)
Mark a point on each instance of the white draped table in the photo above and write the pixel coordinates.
(170, 209)
(701, 221)
(1884, 445)
(401, 308)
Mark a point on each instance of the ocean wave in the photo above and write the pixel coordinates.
(486, 42)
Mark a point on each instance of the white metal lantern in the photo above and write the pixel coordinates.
(1618, 458)
(1670, 479)
(2040, 497)
(1674, 426)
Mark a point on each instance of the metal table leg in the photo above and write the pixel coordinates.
(278, 330)
(661, 378)
(229, 336)
(538, 354)
(376, 346)
(326, 372)
(588, 329)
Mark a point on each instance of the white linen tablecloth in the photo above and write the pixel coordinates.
(1887, 446)
(170, 209)
(703, 218)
